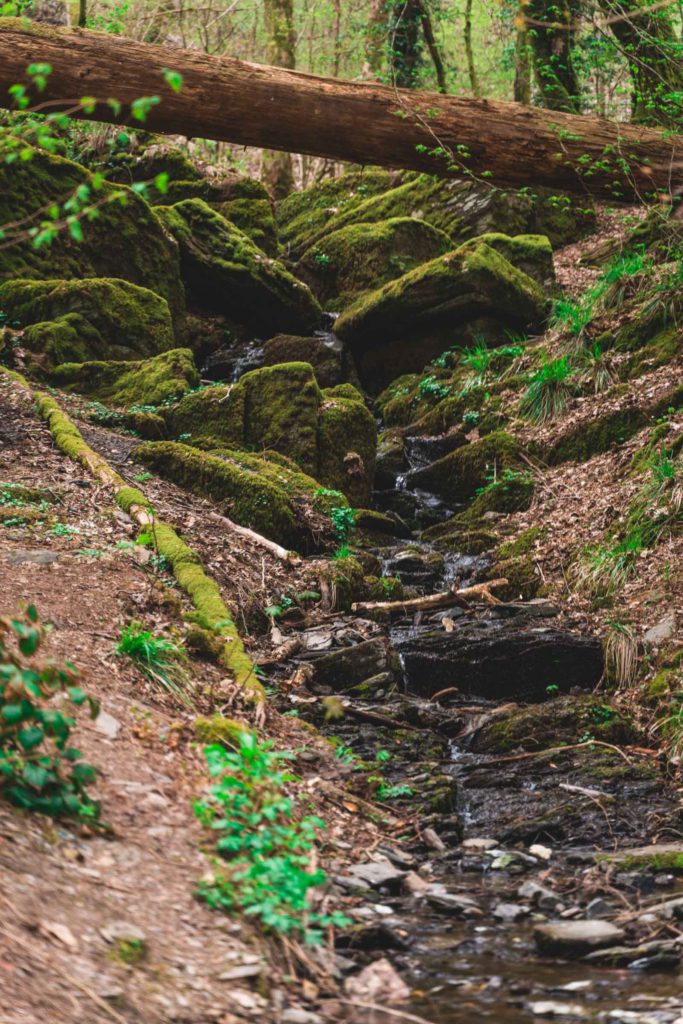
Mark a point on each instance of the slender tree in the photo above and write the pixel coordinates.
(469, 52)
(522, 84)
(276, 167)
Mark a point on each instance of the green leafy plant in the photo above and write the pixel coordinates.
(433, 389)
(158, 658)
(39, 769)
(267, 851)
(548, 391)
(343, 520)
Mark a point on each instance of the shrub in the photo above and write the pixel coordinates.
(268, 851)
(39, 770)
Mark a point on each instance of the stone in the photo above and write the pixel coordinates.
(352, 665)
(661, 631)
(377, 874)
(122, 931)
(550, 1008)
(21, 556)
(599, 908)
(379, 982)
(107, 725)
(574, 939)
(295, 1015)
(509, 911)
(539, 895)
(540, 851)
(476, 845)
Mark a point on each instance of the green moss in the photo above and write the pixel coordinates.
(71, 321)
(244, 201)
(524, 582)
(399, 327)
(365, 256)
(218, 729)
(253, 492)
(147, 382)
(463, 537)
(347, 447)
(662, 684)
(663, 862)
(523, 544)
(304, 214)
(332, 364)
(532, 254)
(226, 273)
(125, 239)
(457, 476)
(185, 563)
(563, 720)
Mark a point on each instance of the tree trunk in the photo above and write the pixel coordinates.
(649, 43)
(432, 45)
(469, 51)
(248, 104)
(404, 42)
(522, 86)
(276, 166)
(552, 39)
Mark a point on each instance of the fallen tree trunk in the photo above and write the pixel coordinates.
(234, 101)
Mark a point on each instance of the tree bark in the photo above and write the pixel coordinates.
(522, 86)
(277, 173)
(552, 35)
(432, 46)
(248, 104)
(469, 50)
(648, 41)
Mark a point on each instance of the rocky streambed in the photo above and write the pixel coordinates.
(523, 882)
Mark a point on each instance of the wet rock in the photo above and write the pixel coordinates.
(656, 857)
(509, 911)
(500, 662)
(599, 908)
(352, 665)
(476, 845)
(377, 874)
(662, 955)
(441, 898)
(539, 895)
(326, 353)
(574, 939)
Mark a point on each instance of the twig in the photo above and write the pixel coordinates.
(443, 599)
(558, 750)
(401, 1014)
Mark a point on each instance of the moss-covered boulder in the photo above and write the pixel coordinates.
(347, 446)
(401, 326)
(225, 272)
(243, 201)
(462, 209)
(330, 434)
(98, 318)
(361, 257)
(270, 496)
(124, 240)
(144, 382)
(557, 722)
(327, 354)
(302, 213)
(532, 254)
(470, 468)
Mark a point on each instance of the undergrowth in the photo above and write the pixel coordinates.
(39, 770)
(158, 658)
(268, 859)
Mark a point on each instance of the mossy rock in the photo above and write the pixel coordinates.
(218, 729)
(523, 544)
(125, 240)
(524, 581)
(362, 257)
(332, 437)
(461, 536)
(225, 272)
(563, 720)
(329, 357)
(532, 254)
(147, 382)
(268, 497)
(463, 209)
(403, 325)
(459, 475)
(243, 201)
(141, 157)
(347, 447)
(97, 318)
(303, 213)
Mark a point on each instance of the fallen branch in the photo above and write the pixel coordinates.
(558, 750)
(291, 557)
(444, 599)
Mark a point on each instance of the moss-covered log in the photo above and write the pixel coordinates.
(276, 108)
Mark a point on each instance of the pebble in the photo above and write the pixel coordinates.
(509, 911)
(107, 725)
(599, 908)
(377, 874)
(540, 896)
(295, 1015)
(478, 845)
(549, 1008)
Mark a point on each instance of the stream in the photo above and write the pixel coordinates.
(508, 840)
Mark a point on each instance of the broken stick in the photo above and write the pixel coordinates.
(444, 599)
